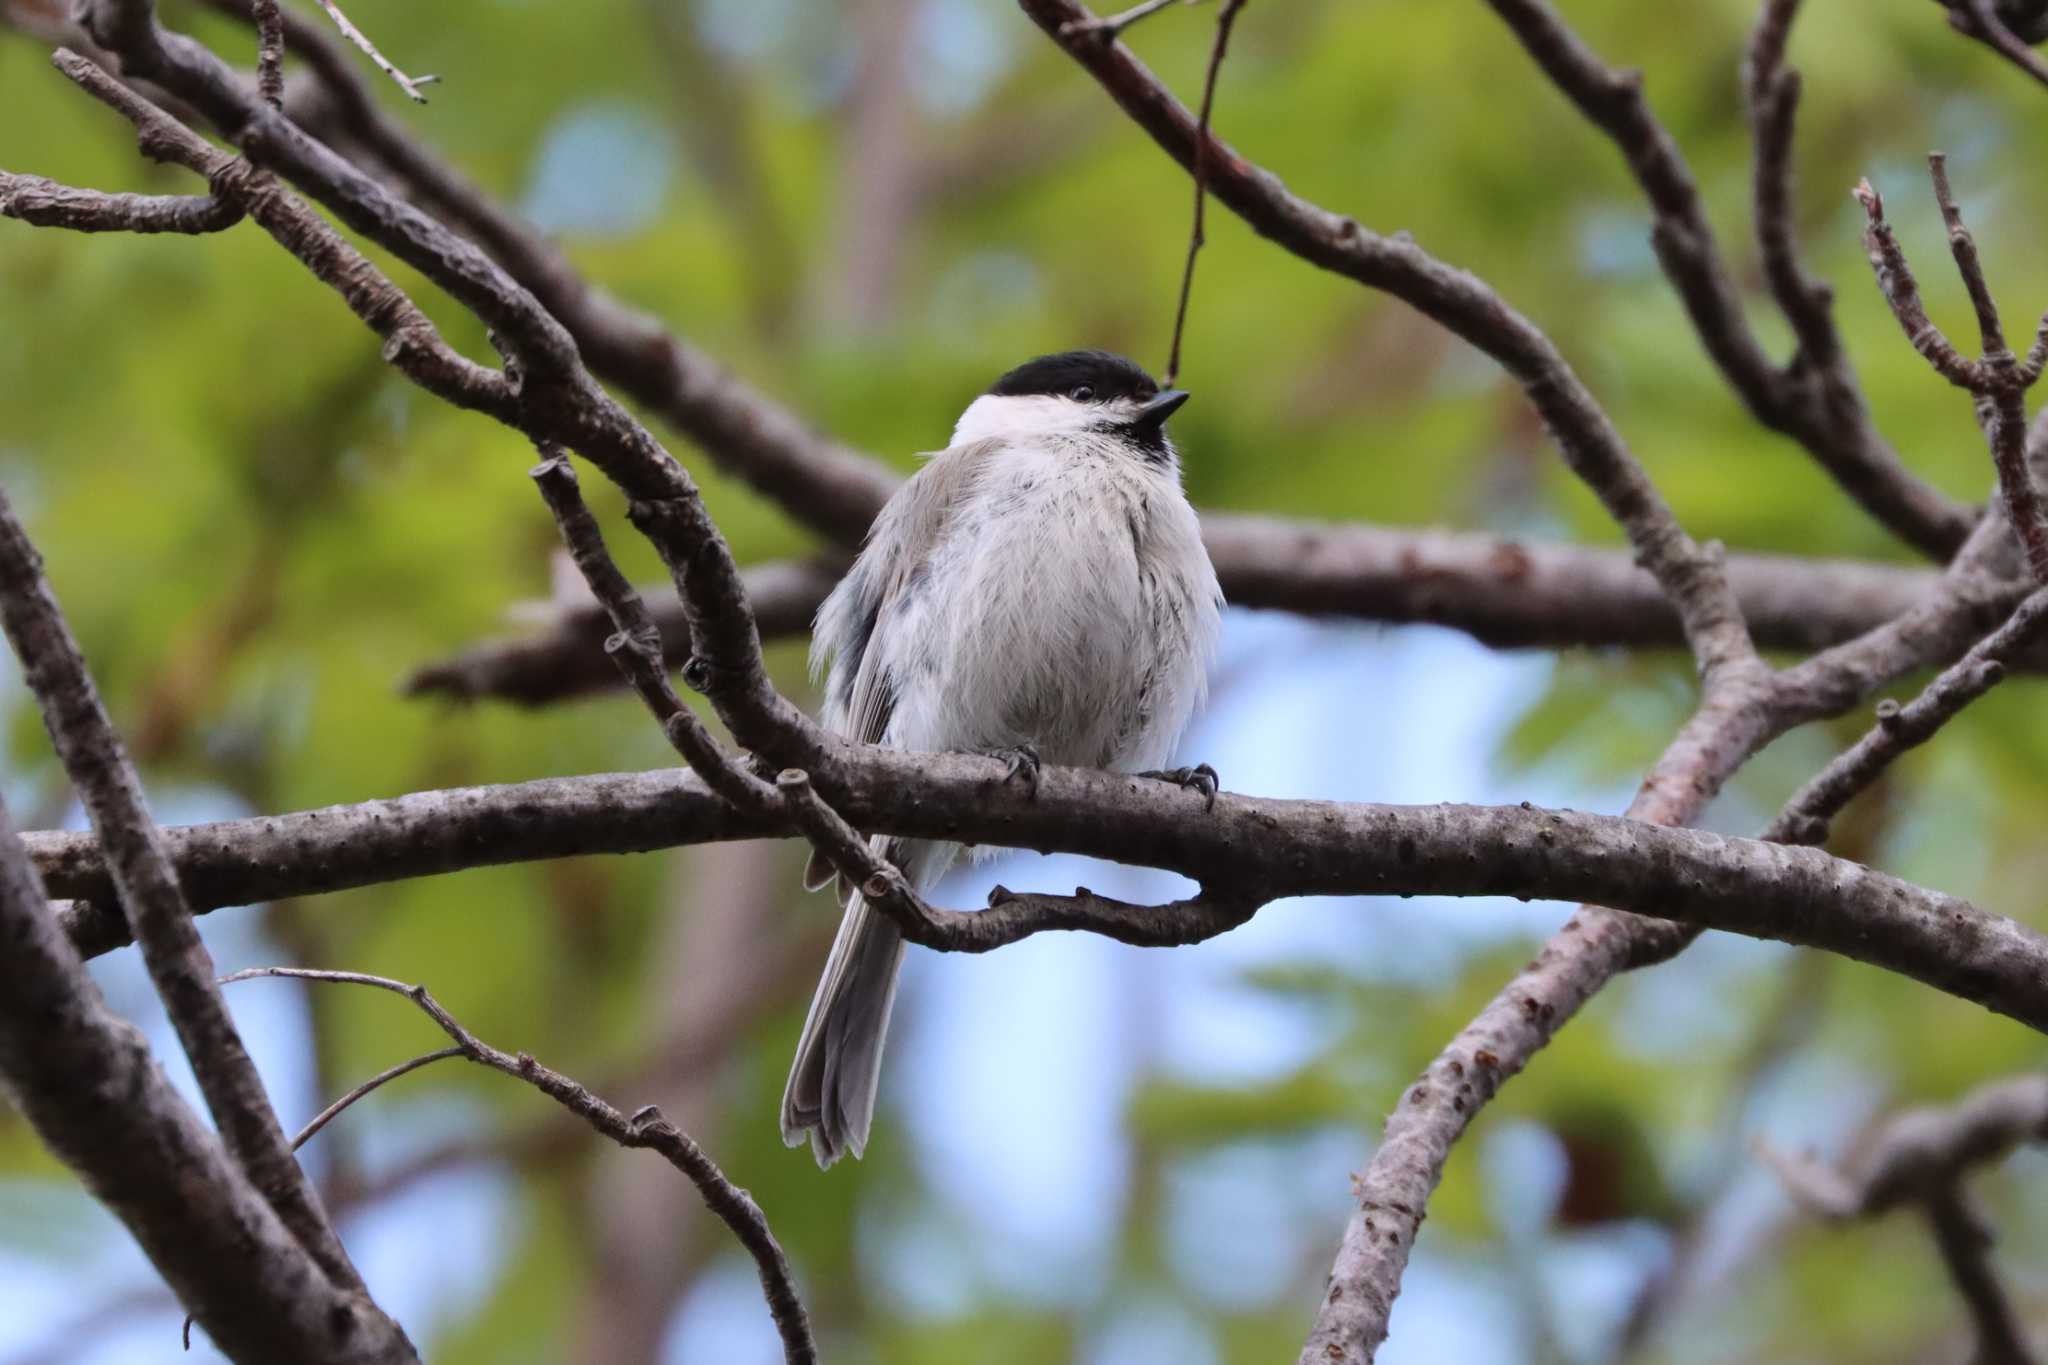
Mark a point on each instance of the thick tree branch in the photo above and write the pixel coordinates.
(1502, 592)
(1254, 845)
(84, 1078)
(146, 885)
(646, 1128)
(567, 658)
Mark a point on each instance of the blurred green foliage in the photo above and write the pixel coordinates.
(258, 530)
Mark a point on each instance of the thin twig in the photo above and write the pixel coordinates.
(409, 84)
(1196, 237)
(1772, 90)
(1110, 27)
(333, 1111)
(1998, 381)
(382, 1078)
(2037, 355)
(269, 51)
(1964, 248)
(1806, 816)
(1902, 292)
(646, 1128)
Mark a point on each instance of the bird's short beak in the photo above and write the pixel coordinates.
(1153, 415)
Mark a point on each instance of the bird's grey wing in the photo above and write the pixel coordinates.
(860, 689)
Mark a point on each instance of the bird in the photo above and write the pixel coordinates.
(1039, 591)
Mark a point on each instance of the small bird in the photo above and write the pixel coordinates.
(1038, 590)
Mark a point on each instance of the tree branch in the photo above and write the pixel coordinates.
(409, 84)
(1980, 19)
(1997, 379)
(1260, 846)
(269, 51)
(45, 203)
(84, 1078)
(1457, 300)
(636, 648)
(146, 884)
(1824, 409)
(566, 658)
(1597, 944)
(1502, 592)
(823, 485)
(1807, 815)
(646, 1128)
(545, 392)
(1771, 90)
(1922, 1157)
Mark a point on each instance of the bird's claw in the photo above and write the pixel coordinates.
(1201, 778)
(1023, 762)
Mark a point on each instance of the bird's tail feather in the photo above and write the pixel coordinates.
(830, 1097)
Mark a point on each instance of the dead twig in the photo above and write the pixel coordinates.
(409, 84)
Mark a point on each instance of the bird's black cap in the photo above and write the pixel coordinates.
(1107, 375)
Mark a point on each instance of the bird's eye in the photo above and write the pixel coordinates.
(1081, 393)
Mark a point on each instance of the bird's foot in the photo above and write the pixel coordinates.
(1023, 763)
(1200, 778)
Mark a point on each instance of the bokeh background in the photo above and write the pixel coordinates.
(1086, 1152)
